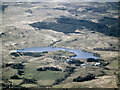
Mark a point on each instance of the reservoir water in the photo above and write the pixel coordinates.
(80, 53)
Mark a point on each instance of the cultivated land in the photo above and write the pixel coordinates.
(88, 26)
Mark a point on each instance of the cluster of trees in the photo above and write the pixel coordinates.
(1, 34)
(86, 78)
(16, 54)
(7, 65)
(106, 25)
(59, 57)
(76, 62)
(48, 68)
(106, 49)
(29, 10)
(96, 54)
(18, 66)
(61, 8)
(33, 54)
(15, 77)
(4, 7)
(92, 60)
(25, 80)
(20, 72)
(70, 70)
(103, 63)
(65, 28)
(79, 23)
(43, 25)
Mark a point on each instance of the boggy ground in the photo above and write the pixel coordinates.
(18, 33)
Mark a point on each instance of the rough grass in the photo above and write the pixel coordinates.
(113, 65)
(65, 42)
(113, 62)
(29, 85)
(70, 85)
(8, 72)
(101, 82)
(16, 82)
(45, 82)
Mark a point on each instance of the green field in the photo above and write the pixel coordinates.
(30, 71)
(49, 75)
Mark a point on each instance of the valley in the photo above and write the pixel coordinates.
(89, 26)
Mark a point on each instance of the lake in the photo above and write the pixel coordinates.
(80, 53)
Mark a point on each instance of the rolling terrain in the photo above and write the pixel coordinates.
(90, 26)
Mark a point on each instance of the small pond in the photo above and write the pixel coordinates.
(79, 53)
